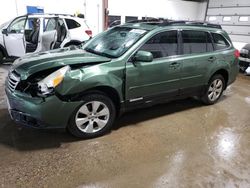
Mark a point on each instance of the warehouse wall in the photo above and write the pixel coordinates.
(91, 8)
(172, 9)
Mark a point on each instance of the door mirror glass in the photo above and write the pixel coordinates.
(143, 56)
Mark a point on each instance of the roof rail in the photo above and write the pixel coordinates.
(147, 20)
(190, 23)
(168, 22)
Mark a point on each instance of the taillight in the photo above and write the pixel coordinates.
(236, 53)
(89, 33)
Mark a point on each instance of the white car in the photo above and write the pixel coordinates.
(41, 32)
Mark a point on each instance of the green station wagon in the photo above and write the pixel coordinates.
(133, 65)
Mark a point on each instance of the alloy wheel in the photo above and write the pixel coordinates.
(92, 117)
(215, 90)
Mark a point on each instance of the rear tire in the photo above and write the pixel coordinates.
(214, 89)
(93, 118)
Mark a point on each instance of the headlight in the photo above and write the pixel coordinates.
(244, 51)
(47, 85)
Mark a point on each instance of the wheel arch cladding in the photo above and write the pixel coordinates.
(109, 92)
(224, 73)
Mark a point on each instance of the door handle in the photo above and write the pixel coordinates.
(211, 59)
(174, 65)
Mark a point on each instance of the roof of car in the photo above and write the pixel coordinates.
(39, 15)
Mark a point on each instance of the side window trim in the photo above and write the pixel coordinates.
(212, 39)
(179, 42)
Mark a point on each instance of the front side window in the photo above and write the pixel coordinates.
(196, 42)
(220, 42)
(164, 44)
(17, 26)
(114, 42)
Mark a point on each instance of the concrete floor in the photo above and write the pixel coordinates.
(180, 144)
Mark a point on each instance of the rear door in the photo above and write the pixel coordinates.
(49, 35)
(14, 39)
(159, 78)
(197, 56)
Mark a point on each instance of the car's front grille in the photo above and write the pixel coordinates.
(13, 80)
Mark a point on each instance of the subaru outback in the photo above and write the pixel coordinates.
(84, 89)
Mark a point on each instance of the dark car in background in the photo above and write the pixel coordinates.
(245, 59)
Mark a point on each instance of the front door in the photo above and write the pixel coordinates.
(159, 78)
(14, 39)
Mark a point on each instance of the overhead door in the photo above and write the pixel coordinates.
(233, 16)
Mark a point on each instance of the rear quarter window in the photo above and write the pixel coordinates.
(220, 42)
(72, 24)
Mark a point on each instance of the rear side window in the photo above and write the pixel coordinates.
(220, 42)
(72, 24)
(162, 45)
(196, 42)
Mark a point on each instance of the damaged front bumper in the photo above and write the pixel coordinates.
(37, 112)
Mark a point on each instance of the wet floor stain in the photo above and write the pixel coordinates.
(179, 144)
(247, 99)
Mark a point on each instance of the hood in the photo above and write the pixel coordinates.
(37, 62)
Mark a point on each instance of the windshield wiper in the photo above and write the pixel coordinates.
(99, 53)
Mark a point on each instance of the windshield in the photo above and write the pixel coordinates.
(114, 42)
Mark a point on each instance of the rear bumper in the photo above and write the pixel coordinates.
(49, 112)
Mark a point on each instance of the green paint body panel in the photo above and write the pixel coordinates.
(129, 80)
(52, 112)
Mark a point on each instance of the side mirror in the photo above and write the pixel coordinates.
(5, 32)
(143, 56)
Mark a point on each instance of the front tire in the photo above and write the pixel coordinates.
(93, 118)
(214, 89)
